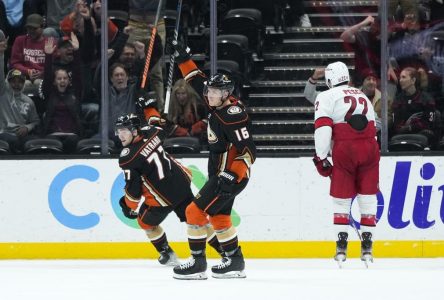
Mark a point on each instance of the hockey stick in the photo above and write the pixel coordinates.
(151, 45)
(171, 70)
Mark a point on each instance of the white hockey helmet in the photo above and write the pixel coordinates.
(336, 73)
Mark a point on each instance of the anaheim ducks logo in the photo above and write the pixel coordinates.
(233, 110)
(125, 152)
(212, 137)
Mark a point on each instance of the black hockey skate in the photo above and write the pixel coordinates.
(231, 266)
(168, 257)
(341, 248)
(193, 269)
(366, 248)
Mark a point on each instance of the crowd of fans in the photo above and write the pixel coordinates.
(415, 73)
(50, 67)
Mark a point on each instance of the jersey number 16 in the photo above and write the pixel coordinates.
(242, 134)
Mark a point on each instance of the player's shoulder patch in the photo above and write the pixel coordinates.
(233, 110)
(125, 152)
(233, 114)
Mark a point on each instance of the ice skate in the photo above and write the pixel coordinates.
(231, 266)
(366, 248)
(341, 248)
(193, 269)
(168, 257)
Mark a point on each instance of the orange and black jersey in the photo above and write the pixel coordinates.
(151, 172)
(229, 136)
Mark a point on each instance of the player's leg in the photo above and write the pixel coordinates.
(195, 267)
(342, 189)
(212, 239)
(368, 208)
(232, 264)
(180, 211)
(149, 219)
(368, 187)
(341, 221)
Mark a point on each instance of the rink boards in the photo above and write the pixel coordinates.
(69, 209)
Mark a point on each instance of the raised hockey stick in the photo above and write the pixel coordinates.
(149, 53)
(171, 70)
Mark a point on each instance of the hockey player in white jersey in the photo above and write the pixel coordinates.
(345, 125)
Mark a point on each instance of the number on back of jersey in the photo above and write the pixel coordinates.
(242, 134)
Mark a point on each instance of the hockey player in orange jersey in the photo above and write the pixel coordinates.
(151, 172)
(232, 152)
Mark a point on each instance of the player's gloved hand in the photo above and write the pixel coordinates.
(144, 102)
(225, 184)
(324, 167)
(128, 212)
(180, 51)
(156, 121)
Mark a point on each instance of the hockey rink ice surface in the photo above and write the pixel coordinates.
(303, 279)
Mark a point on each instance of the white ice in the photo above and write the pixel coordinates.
(301, 279)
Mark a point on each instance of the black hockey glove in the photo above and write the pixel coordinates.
(324, 167)
(128, 212)
(180, 51)
(144, 102)
(226, 181)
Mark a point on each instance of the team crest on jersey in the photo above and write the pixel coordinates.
(233, 110)
(212, 137)
(124, 152)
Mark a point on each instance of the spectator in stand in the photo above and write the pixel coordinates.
(417, 45)
(407, 7)
(407, 39)
(28, 54)
(18, 115)
(413, 109)
(122, 97)
(62, 119)
(68, 58)
(370, 88)
(53, 11)
(80, 22)
(187, 113)
(365, 44)
(133, 55)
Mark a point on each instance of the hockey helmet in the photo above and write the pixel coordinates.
(219, 81)
(336, 73)
(131, 122)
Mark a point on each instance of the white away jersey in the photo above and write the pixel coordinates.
(341, 102)
(332, 110)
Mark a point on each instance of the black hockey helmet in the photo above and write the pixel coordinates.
(219, 81)
(131, 122)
